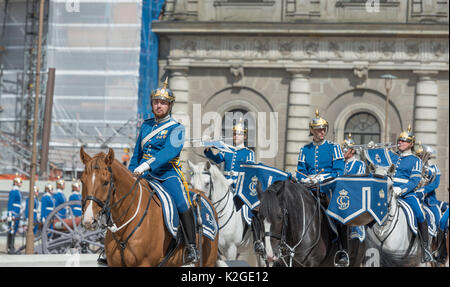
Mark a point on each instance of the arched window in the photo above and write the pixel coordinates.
(364, 128)
(231, 118)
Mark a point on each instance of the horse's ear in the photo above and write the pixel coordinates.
(109, 157)
(207, 165)
(259, 189)
(391, 169)
(371, 168)
(85, 158)
(191, 165)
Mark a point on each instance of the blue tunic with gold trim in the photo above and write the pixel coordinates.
(159, 144)
(232, 161)
(408, 173)
(315, 157)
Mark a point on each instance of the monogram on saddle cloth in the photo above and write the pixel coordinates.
(357, 200)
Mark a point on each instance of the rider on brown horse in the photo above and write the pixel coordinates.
(156, 156)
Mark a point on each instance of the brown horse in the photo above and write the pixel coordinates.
(141, 238)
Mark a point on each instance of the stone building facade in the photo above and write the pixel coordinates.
(291, 57)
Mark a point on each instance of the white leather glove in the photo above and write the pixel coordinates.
(315, 180)
(141, 169)
(320, 178)
(305, 180)
(397, 190)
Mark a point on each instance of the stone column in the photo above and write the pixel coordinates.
(425, 110)
(179, 84)
(299, 114)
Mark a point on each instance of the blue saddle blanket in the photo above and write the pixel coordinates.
(171, 218)
(356, 195)
(412, 220)
(378, 156)
(250, 175)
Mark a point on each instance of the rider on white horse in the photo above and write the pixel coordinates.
(232, 160)
(239, 154)
(431, 178)
(408, 173)
(156, 156)
(320, 160)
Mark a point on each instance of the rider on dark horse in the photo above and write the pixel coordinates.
(321, 160)
(157, 157)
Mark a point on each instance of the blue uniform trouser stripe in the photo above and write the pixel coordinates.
(414, 202)
(174, 186)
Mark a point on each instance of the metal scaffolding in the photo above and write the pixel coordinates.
(95, 50)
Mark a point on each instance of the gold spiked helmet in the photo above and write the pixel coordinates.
(348, 143)
(424, 152)
(17, 179)
(407, 136)
(239, 128)
(163, 93)
(317, 123)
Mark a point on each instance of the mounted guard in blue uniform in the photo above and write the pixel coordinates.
(321, 160)
(352, 166)
(14, 206)
(35, 209)
(431, 178)
(238, 155)
(156, 156)
(408, 173)
(59, 196)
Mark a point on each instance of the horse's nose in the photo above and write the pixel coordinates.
(88, 223)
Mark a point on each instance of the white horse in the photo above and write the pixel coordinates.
(234, 236)
(396, 243)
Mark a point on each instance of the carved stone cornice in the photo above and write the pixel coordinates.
(311, 52)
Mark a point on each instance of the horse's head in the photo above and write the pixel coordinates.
(207, 177)
(200, 177)
(96, 179)
(383, 171)
(272, 214)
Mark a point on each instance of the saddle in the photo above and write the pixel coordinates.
(412, 220)
(171, 218)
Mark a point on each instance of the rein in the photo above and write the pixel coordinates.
(107, 207)
(216, 204)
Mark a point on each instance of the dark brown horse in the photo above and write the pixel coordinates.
(140, 237)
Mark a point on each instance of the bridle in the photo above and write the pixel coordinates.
(287, 250)
(107, 207)
(104, 205)
(216, 203)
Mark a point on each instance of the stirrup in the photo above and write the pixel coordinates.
(427, 256)
(338, 258)
(258, 247)
(101, 260)
(190, 255)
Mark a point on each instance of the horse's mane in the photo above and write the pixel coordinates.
(98, 161)
(217, 174)
(294, 197)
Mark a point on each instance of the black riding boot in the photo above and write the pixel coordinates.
(441, 255)
(10, 243)
(423, 236)
(341, 258)
(256, 230)
(188, 228)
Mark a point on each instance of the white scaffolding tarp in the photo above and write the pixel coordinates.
(94, 46)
